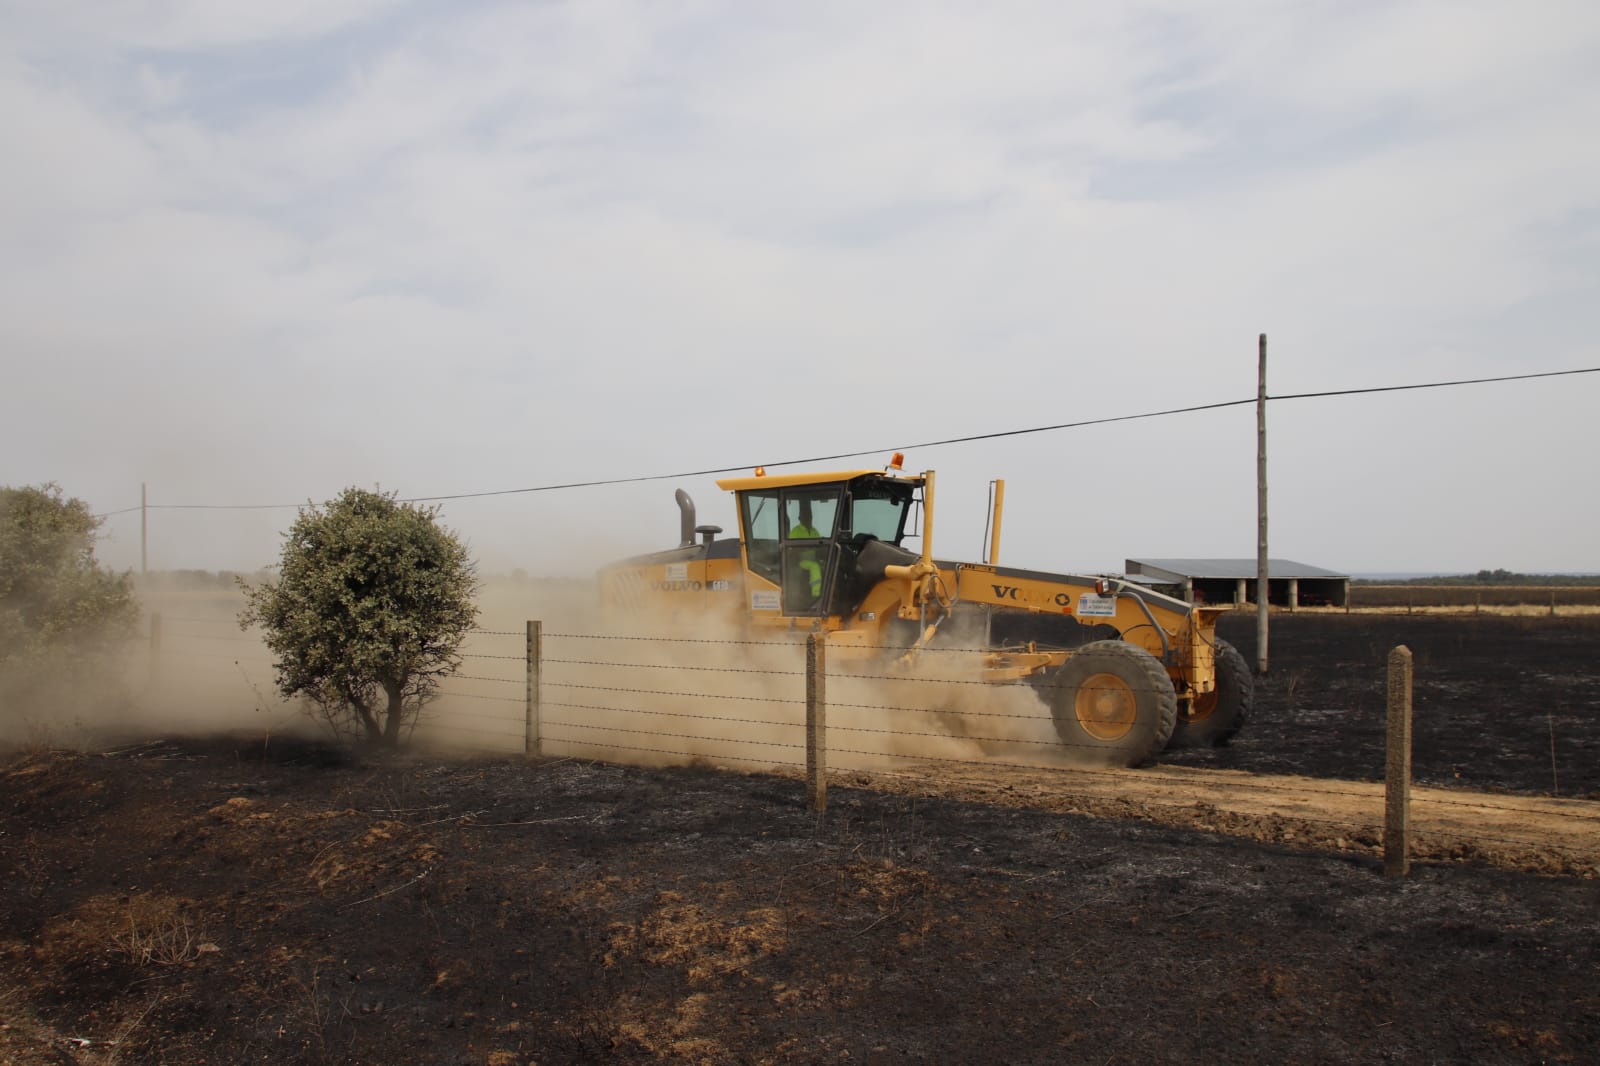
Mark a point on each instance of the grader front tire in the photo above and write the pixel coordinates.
(1112, 703)
(1216, 716)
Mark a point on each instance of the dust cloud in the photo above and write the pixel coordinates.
(656, 691)
(188, 670)
(620, 688)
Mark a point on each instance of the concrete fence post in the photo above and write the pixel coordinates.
(1397, 776)
(816, 723)
(531, 715)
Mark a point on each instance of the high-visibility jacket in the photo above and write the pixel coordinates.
(808, 560)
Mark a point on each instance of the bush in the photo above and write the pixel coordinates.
(61, 613)
(372, 601)
(53, 594)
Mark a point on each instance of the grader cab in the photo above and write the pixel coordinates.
(1125, 670)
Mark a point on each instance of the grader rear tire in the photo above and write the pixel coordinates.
(1216, 716)
(1112, 703)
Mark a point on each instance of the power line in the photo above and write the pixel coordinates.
(997, 435)
(837, 455)
(1435, 384)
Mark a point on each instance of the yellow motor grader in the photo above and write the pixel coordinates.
(1125, 670)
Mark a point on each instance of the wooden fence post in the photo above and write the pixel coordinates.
(816, 723)
(530, 725)
(155, 650)
(1397, 777)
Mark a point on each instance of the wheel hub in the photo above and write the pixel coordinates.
(1106, 707)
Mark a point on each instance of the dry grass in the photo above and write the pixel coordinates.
(157, 932)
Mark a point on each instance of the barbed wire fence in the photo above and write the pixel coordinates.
(1460, 600)
(191, 658)
(778, 706)
(775, 706)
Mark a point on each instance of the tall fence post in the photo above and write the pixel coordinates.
(155, 650)
(816, 723)
(530, 725)
(1397, 778)
(1263, 576)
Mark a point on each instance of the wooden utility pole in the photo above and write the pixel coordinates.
(1262, 586)
(144, 533)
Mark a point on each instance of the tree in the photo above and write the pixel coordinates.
(55, 598)
(372, 601)
(62, 615)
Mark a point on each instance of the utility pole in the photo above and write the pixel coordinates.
(144, 532)
(1262, 585)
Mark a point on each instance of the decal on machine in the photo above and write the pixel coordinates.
(765, 600)
(1017, 594)
(1093, 605)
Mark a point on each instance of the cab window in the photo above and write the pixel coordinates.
(810, 514)
(760, 516)
(879, 512)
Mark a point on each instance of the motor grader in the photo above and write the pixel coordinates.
(1124, 669)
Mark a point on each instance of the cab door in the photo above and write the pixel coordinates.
(807, 548)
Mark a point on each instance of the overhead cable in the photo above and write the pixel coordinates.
(600, 482)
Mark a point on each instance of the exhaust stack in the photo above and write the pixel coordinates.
(685, 519)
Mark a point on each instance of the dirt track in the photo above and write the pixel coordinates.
(275, 901)
(1529, 833)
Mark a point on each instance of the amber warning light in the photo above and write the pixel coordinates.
(761, 471)
(897, 461)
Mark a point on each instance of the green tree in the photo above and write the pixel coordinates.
(55, 598)
(372, 602)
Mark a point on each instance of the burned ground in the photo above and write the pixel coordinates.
(1502, 703)
(273, 900)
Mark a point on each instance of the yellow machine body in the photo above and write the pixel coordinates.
(824, 553)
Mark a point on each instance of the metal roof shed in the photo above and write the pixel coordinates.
(1289, 584)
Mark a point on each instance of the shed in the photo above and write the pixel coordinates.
(1289, 584)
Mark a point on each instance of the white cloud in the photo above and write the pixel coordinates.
(264, 253)
(188, 24)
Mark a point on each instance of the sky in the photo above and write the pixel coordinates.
(251, 254)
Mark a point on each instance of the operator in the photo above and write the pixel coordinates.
(809, 563)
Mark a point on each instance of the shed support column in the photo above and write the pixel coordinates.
(1188, 590)
(1294, 593)
(1239, 596)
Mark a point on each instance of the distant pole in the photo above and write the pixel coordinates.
(144, 533)
(1262, 596)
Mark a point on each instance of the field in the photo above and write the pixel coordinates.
(263, 898)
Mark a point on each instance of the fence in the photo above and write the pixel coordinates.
(764, 706)
(779, 707)
(1475, 599)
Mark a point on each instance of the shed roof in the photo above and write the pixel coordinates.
(1231, 568)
